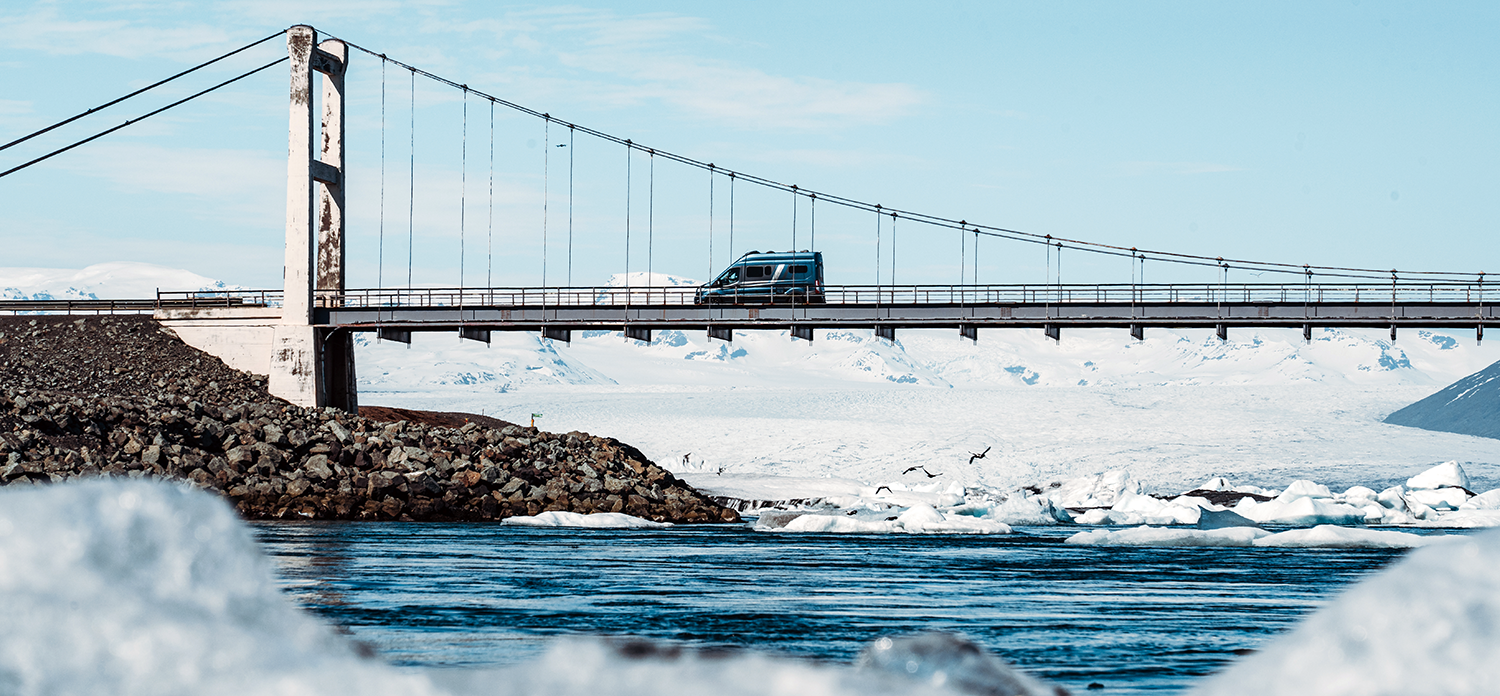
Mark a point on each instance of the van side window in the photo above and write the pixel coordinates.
(799, 270)
(754, 271)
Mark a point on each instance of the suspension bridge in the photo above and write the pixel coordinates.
(301, 334)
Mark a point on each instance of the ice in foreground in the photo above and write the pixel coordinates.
(597, 520)
(1427, 625)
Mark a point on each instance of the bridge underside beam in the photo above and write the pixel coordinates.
(1116, 316)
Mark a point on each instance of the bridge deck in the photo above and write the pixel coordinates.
(997, 306)
(1450, 305)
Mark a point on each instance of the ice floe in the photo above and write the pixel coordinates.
(1321, 536)
(1426, 625)
(596, 520)
(917, 519)
(1113, 498)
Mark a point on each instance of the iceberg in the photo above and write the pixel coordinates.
(1423, 626)
(595, 520)
(131, 587)
(1445, 475)
(1322, 536)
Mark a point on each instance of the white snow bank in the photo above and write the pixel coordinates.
(126, 587)
(1427, 625)
(1157, 536)
(1322, 536)
(1301, 511)
(1447, 474)
(917, 519)
(596, 520)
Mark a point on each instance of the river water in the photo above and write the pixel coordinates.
(1134, 620)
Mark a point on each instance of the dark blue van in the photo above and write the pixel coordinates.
(767, 277)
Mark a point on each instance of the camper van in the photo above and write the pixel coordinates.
(767, 277)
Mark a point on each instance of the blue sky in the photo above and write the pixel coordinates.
(1338, 133)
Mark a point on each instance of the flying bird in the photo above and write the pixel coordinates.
(973, 456)
(922, 469)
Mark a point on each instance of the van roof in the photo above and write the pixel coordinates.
(781, 254)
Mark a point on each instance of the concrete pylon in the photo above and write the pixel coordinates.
(313, 365)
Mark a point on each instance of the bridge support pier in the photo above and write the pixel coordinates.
(969, 331)
(557, 334)
(1393, 333)
(803, 332)
(639, 334)
(726, 334)
(1479, 334)
(1222, 331)
(1052, 331)
(1138, 332)
(886, 332)
(1307, 333)
(313, 366)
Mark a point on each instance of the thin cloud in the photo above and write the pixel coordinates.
(630, 60)
(1178, 168)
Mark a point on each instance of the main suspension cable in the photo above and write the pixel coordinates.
(142, 90)
(138, 119)
(986, 230)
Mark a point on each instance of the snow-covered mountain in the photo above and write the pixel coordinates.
(113, 280)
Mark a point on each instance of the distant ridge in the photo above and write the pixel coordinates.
(1470, 406)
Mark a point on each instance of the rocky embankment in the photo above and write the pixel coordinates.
(121, 396)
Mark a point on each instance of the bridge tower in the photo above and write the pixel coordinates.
(313, 365)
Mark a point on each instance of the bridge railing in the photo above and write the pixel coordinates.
(1232, 293)
(218, 298)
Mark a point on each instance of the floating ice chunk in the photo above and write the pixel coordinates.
(1329, 536)
(1101, 490)
(1424, 626)
(1304, 489)
(945, 660)
(1094, 516)
(1488, 500)
(1358, 493)
(1459, 519)
(1217, 483)
(1439, 498)
(1447, 474)
(1223, 519)
(919, 519)
(597, 520)
(1154, 510)
(1164, 536)
(638, 667)
(1300, 511)
(135, 587)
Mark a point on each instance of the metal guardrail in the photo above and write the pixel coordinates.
(163, 300)
(1243, 293)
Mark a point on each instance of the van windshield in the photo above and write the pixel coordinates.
(730, 277)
